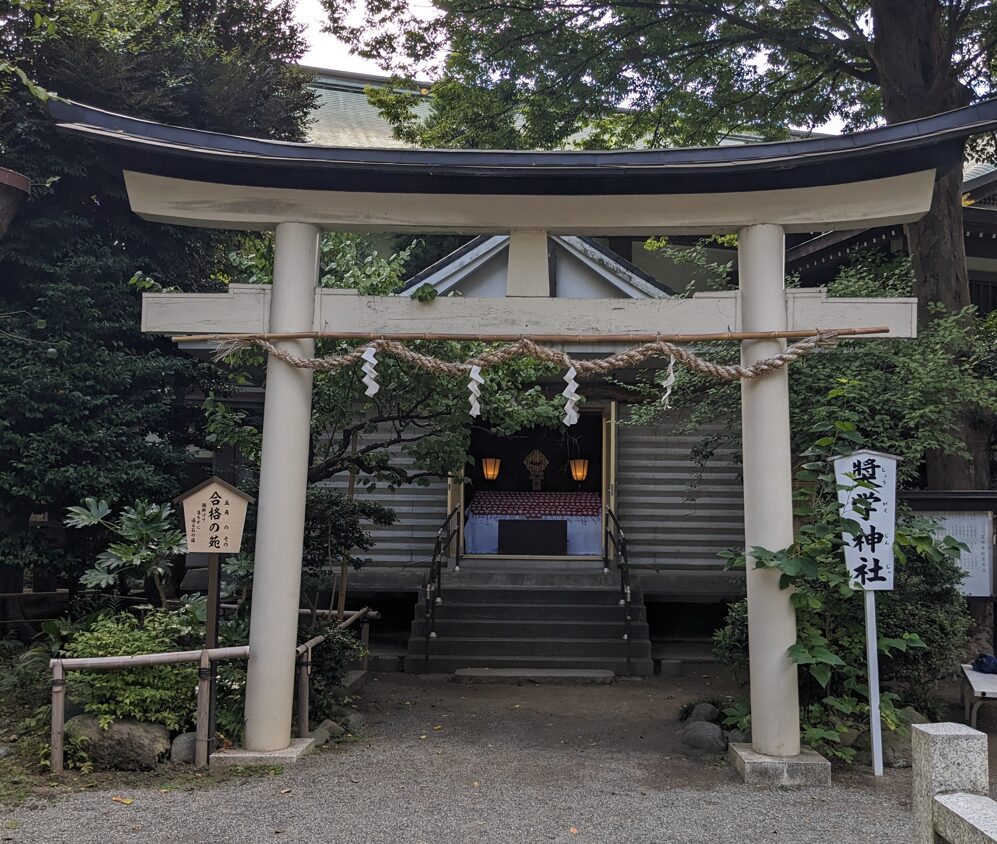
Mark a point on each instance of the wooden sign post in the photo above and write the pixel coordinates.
(214, 516)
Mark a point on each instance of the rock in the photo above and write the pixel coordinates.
(183, 748)
(703, 736)
(912, 716)
(4, 751)
(704, 712)
(849, 737)
(335, 730)
(739, 737)
(896, 749)
(126, 745)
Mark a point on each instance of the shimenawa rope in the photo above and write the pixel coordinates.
(526, 347)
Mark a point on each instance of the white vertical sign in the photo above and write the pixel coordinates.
(867, 493)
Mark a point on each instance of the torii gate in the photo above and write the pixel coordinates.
(760, 191)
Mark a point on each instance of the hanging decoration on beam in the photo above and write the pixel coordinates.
(369, 358)
(525, 347)
(668, 384)
(474, 387)
(571, 394)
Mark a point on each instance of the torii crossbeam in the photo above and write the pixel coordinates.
(760, 191)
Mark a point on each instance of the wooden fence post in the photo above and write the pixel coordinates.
(58, 715)
(365, 642)
(202, 744)
(304, 682)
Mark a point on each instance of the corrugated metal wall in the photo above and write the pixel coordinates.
(420, 510)
(669, 523)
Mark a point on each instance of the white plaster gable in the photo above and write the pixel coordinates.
(582, 269)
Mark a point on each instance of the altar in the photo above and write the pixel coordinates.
(530, 523)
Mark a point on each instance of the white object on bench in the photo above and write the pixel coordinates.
(982, 686)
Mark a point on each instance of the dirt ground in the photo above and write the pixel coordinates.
(438, 761)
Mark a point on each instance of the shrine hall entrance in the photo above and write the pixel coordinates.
(539, 495)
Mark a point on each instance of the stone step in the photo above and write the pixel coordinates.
(540, 676)
(533, 594)
(450, 664)
(454, 645)
(451, 609)
(532, 629)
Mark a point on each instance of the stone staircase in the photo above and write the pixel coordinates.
(530, 620)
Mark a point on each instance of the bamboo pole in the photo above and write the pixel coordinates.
(202, 743)
(344, 563)
(58, 715)
(539, 338)
(103, 663)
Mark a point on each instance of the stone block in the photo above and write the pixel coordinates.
(240, 757)
(948, 758)
(965, 818)
(807, 769)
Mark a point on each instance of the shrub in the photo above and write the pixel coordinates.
(923, 623)
(330, 662)
(163, 694)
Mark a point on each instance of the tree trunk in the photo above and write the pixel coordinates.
(911, 53)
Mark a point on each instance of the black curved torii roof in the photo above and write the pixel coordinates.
(148, 147)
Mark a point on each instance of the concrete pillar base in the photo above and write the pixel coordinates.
(807, 769)
(240, 757)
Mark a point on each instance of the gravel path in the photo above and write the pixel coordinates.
(441, 762)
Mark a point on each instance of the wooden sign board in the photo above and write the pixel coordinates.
(214, 516)
(976, 529)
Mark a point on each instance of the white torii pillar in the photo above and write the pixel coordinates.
(280, 523)
(768, 491)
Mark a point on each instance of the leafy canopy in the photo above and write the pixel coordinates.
(91, 407)
(532, 73)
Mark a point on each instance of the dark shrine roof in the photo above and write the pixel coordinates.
(155, 148)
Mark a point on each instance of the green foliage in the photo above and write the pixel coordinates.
(923, 387)
(91, 407)
(424, 414)
(150, 542)
(533, 74)
(923, 623)
(334, 528)
(330, 662)
(159, 694)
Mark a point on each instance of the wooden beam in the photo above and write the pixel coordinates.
(244, 309)
(543, 338)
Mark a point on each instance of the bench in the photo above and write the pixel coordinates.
(977, 688)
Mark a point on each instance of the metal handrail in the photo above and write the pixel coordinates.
(434, 579)
(616, 538)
